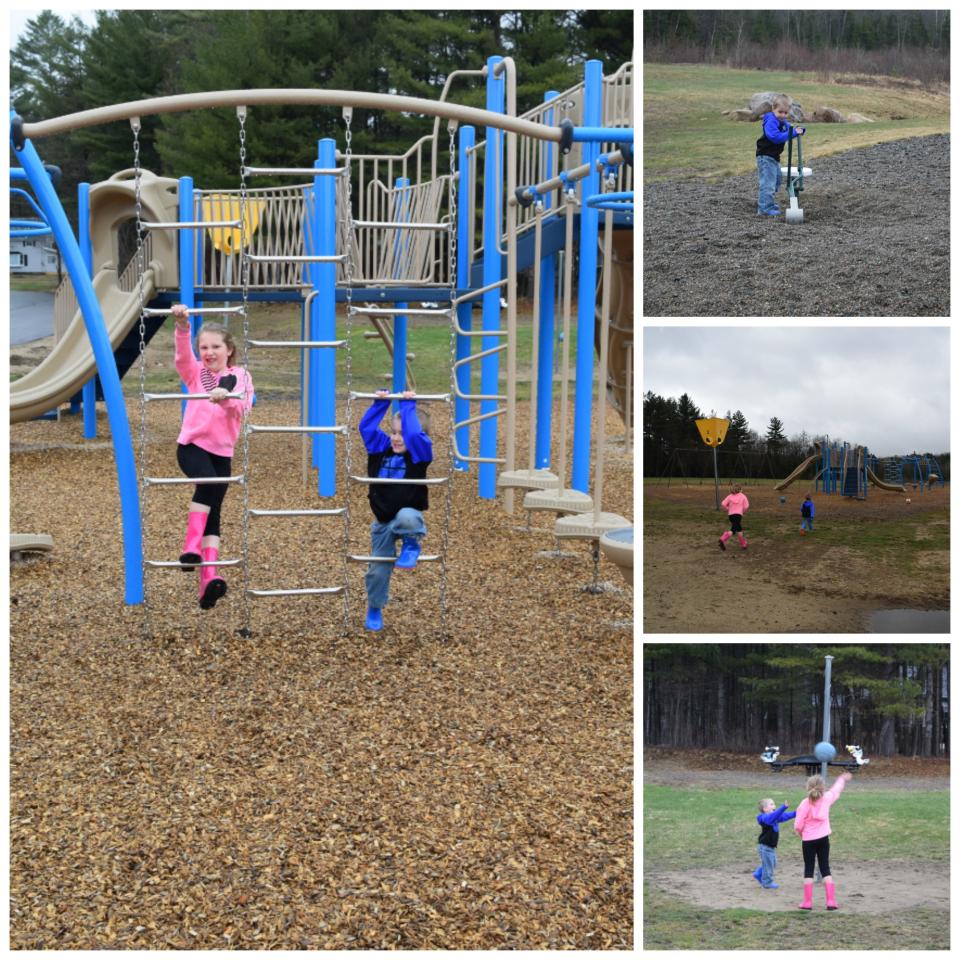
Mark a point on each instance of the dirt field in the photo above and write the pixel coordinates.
(875, 240)
(310, 788)
(867, 887)
(785, 583)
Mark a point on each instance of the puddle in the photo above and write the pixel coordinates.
(909, 621)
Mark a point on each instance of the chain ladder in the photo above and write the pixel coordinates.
(347, 214)
(142, 430)
(448, 499)
(245, 630)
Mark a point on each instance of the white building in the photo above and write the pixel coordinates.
(33, 255)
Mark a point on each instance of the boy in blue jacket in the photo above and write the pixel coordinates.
(769, 817)
(806, 515)
(776, 132)
(402, 454)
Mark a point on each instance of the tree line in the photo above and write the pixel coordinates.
(60, 66)
(672, 443)
(900, 43)
(888, 698)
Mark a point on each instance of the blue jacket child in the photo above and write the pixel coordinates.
(806, 515)
(776, 132)
(769, 820)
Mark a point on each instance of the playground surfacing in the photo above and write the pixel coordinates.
(784, 582)
(305, 790)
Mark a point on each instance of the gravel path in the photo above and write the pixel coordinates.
(874, 241)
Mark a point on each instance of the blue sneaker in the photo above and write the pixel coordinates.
(772, 886)
(756, 874)
(374, 619)
(408, 554)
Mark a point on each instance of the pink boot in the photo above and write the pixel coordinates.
(212, 585)
(196, 523)
(807, 895)
(723, 540)
(831, 893)
(743, 541)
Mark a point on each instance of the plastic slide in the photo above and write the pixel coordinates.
(71, 363)
(877, 482)
(783, 484)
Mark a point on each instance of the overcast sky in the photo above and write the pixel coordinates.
(17, 19)
(884, 387)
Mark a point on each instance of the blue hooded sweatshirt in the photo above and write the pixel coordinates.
(770, 831)
(775, 134)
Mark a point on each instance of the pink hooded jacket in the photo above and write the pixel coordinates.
(736, 503)
(813, 819)
(212, 426)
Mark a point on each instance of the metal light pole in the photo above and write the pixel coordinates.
(713, 430)
(826, 711)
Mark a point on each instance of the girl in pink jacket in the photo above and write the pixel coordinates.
(813, 825)
(736, 505)
(207, 438)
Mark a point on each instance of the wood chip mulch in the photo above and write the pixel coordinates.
(313, 787)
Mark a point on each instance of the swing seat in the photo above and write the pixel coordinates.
(807, 172)
(529, 479)
(589, 526)
(617, 546)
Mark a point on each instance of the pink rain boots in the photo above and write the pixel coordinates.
(831, 893)
(196, 523)
(743, 541)
(807, 895)
(212, 586)
(723, 540)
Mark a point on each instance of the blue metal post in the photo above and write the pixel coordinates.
(106, 368)
(548, 284)
(86, 251)
(465, 201)
(323, 362)
(586, 286)
(492, 193)
(188, 295)
(400, 245)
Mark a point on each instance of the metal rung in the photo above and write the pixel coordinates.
(479, 333)
(478, 396)
(191, 311)
(479, 292)
(397, 312)
(189, 396)
(258, 428)
(190, 224)
(300, 344)
(401, 225)
(400, 480)
(169, 481)
(333, 512)
(399, 396)
(293, 171)
(423, 558)
(204, 563)
(304, 592)
(318, 259)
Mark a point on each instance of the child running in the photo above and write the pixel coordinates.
(736, 504)
(207, 438)
(813, 826)
(806, 515)
(769, 817)
(403, 453)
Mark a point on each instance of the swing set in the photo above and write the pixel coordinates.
(331, 226)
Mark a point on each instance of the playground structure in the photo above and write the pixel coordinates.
(841, 469)
(919, 471)
(380, 232)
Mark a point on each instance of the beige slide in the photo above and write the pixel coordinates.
(883, 485)
(71, 362)
(783, 484)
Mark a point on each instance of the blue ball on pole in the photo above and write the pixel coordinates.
(824, 751)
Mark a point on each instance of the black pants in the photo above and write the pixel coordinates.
(735, 519)
(816, 850)
(196, 462)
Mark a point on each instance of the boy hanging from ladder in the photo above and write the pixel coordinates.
(402, 454)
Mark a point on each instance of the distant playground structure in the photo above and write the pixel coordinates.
(394, 239)
(846, 469)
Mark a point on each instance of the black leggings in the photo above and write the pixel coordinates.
(735, 519)
(196, 462)
(819, 850)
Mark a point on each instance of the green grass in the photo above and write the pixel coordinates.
(35, 281)
(698, 827)
(687, 828)
(685, 134)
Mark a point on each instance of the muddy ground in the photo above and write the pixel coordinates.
(866, 887)
(875, 240)
(786, 583)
